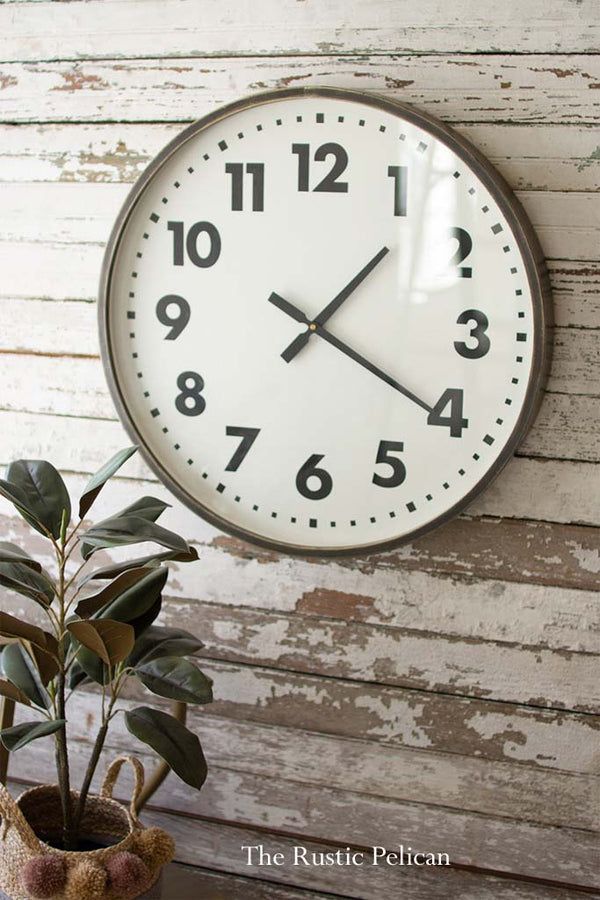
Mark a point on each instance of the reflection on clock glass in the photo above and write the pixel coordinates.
(320, 323)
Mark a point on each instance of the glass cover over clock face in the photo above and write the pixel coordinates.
(319, 323)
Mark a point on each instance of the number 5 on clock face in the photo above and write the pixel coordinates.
(322, 317)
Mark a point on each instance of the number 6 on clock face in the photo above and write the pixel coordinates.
(323, 317)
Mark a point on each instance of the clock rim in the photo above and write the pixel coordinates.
(524, 234)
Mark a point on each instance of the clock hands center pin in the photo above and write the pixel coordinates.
(302, 340)
(297, 314)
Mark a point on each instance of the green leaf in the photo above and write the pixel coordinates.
(114, 569)
(25, 580)
(111, 641)
(10, 553)
(16, 629)
(159, 641)
(19, 735)
(97, 481)
(176, 679)
(13, 693)
(149, 508)
(92, 604)
(39, 493)
(176, 744)
(21, 671)
(77, 675)
(120, 532)
(137, 600)
(143, 622)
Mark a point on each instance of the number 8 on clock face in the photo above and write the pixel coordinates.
(323, 317)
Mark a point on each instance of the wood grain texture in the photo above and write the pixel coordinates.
(363, 819)
(47, 31)
(531, 158)
(440, 694)
(461, 88)
(413, 775)
(220, 846)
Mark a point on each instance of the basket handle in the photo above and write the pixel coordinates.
(12, 816)
(112, 773)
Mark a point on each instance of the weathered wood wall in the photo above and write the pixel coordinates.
(445, 695)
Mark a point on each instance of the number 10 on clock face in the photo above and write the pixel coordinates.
(320, 322)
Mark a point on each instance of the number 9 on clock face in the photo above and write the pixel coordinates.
(323, 318)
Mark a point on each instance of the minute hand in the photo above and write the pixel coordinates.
(302, 340)
(352, 354)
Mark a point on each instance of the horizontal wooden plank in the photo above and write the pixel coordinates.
(547, 490)
(473, 668)
(167, 28)
(422, 776)
(360, 819)
(531, 157)
(462, 88)
(221, 847)
(565, 427)
(372, 883)
(401, 718)
(567, 223)
(186, 882)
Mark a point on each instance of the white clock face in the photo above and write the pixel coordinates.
(320, 324)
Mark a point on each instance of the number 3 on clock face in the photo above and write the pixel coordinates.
(323, 319)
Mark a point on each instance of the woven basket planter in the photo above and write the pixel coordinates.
(127, 866)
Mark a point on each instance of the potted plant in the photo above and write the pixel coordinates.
(98, 626)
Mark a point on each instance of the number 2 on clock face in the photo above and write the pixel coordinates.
(320, 322)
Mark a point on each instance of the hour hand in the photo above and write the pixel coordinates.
(288, 308)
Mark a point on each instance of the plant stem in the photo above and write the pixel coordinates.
(93, 763)
(62, 756)
(7, 715)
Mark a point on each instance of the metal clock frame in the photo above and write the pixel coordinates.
(522, 230)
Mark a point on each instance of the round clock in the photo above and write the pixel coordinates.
(323, 317)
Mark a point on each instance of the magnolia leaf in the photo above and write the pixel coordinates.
(39, 493)
(149, 508)
(20, 669)
(97, 481)
(137, 600)
(159, 641)
(176, 744)
(176, 679)
(13, 693)
(111, 641)
(143, 622)
(10, 553)
(153, 559)
(93, 604)
(120, 532)
(77, 675)
(19, 735)
(15, 629)
(46, 664)
(23, 579)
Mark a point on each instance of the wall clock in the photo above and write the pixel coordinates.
(324, 318)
